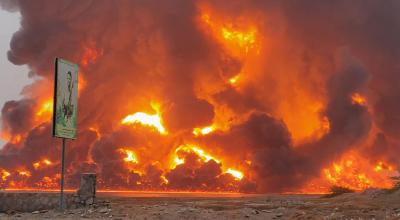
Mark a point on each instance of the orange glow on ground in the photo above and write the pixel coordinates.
(140, 193)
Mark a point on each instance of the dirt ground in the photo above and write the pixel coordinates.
(373, 204)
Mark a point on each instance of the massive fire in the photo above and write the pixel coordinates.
(248, 98)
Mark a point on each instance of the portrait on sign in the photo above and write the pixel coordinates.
(66, 99)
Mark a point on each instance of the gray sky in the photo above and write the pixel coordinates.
(12, 78)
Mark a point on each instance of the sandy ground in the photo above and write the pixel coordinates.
(124, 205)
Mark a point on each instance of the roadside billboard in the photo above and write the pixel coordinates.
(65, 107)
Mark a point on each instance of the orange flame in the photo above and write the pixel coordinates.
(46, 108)
(145, 119)
(203, 131)
(130, 156)
(234, 79)
(24, 173)
(356, 173)
(15, 139)
(90, 54)
(164, 179)
(237, 38)
(39, 164)
(356, 98)
(244, 39)
(81, 83)
(5, 174)
(204, 157)
(237, 174)
(191, 148)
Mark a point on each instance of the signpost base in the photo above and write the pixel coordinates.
(62, 204)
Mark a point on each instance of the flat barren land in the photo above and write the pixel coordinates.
(371, 204)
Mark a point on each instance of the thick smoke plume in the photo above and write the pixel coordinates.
(252, 96)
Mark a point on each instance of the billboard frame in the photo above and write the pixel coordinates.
(56, 75)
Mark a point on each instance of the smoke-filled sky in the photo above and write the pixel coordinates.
(244, 95)
(12, 77)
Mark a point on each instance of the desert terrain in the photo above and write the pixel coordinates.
(370, 204)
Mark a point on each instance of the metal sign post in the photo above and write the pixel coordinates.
(65, 109)
(62, 175)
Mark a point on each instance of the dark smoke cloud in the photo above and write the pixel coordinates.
(17, 116)
(266, 141)
(239, 102)
(349, 122)
(382, 149)
(155, 51)
(370, 30)
(177, 116)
